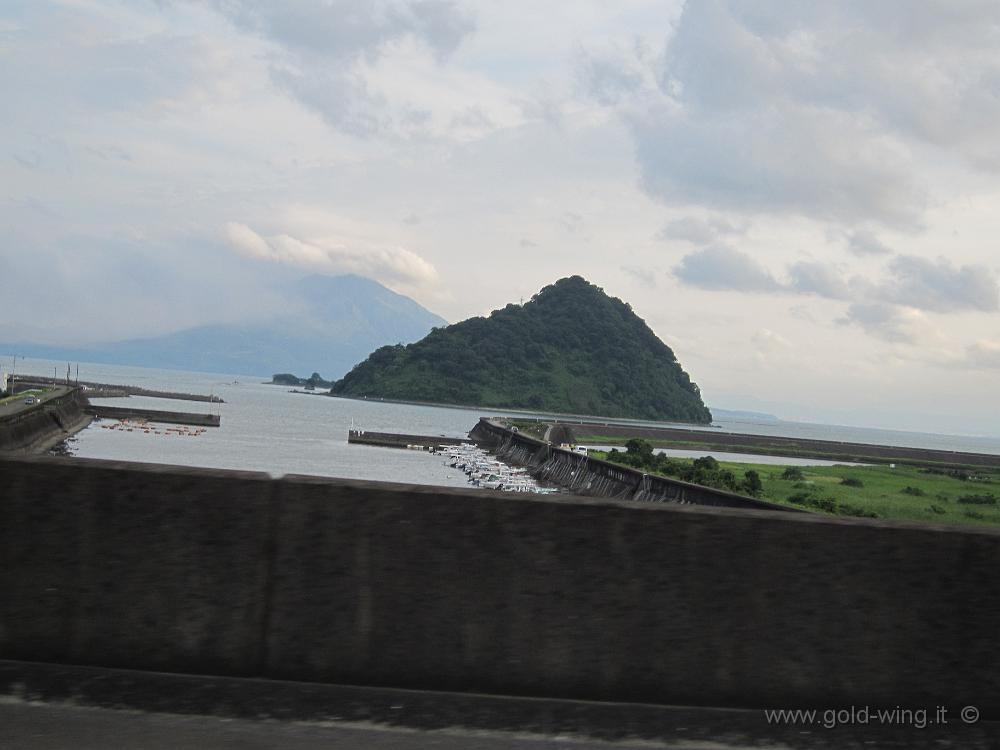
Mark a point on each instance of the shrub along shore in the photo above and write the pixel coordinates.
(903, 493)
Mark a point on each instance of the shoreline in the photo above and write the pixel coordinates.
(539, 416)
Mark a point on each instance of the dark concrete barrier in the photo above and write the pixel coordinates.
(146, 567)
(391, 585)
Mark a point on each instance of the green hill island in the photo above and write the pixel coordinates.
(571, 349)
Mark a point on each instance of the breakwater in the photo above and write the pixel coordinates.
(153, 415)
(831, 450)
(231, 573)
(107, 390)
(39, 428)
(583, 475)
(395, 440)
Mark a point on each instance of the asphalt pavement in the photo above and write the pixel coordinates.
(38, 726)
(16, 405)
(50, 706)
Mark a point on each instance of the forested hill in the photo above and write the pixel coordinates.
(571, 349)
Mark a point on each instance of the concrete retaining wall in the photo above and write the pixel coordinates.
(166, 568)
(38, 428)
(589, 476)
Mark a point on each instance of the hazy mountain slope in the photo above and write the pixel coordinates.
(331, 324)
(572, 348)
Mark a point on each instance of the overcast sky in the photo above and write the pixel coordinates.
(802, 199)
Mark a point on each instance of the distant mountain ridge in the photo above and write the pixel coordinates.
(332, 323)
(571, 349)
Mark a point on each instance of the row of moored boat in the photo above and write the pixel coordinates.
(488, 472)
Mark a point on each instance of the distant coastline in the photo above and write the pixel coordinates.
(542, 415)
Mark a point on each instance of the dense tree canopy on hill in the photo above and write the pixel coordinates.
(571, 349)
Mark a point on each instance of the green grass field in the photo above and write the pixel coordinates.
(904, 493)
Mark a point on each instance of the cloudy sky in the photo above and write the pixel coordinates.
(802, 199)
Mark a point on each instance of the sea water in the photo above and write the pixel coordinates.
(270, 429)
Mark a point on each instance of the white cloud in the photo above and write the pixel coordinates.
(816, 109)
(911, 281)
(983, 354)
(698, 231)
(826, 155)
(768, 341)
(821, 279)
(722, 268)
(391, 265)
(940, 286)
(865, 243)
(896, 325)
(369, 69)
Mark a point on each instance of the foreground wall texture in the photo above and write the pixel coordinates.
(303, 578)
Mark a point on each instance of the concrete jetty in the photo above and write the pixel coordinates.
(154, 415)
(394, 440)
(109, 390)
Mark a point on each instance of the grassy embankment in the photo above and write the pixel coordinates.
(905, 493)
(937, 494)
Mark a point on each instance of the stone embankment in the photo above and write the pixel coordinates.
(38, 428)
(583, 475)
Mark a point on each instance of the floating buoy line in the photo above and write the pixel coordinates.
(146, 427)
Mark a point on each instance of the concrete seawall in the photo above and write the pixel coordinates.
(36, 429)
(589, 476)
(230, 573)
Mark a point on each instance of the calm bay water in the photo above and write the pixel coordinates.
(267, 428)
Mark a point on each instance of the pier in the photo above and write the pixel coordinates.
(108, 390)
(153, 415)
(394, 440)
